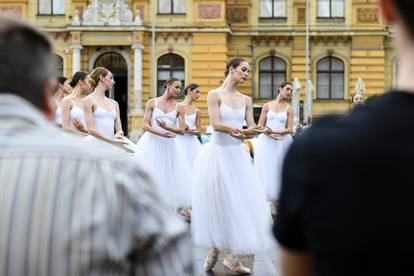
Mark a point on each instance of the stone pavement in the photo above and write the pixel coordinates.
(255, 263)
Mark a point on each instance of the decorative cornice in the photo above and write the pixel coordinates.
(174, 35)
(268, 40)
(334, 39)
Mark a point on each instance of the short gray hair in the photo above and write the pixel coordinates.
(26, 59)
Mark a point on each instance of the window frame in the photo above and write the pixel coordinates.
(51, 9)
(60, 64)
(273, 10)
(330, 72)
(171, 70)
(272, 72)
(172, 9)
(330, 11)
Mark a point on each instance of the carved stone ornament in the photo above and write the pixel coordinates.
(237, 15)
(108, 12)
(367, 15)
(209, 11)
(12, 11)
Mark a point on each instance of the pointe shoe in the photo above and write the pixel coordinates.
(236, 267)
(211, 260)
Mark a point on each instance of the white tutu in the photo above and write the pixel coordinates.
(229, 207)
(269, 155)
(168, 167)
(190, 146)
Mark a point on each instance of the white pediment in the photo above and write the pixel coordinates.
(106, 12)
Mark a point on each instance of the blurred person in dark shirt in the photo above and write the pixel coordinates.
(346, 202)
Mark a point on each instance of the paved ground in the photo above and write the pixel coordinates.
(255, 263)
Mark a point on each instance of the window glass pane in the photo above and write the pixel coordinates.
(265, 8)
(337, 64)
(279, 8)
(160, 88)
(323, 8)
(265, 86)
(45, 7)
(265, 64)
(163, 75)
(337, 86)
(179, 6)
(278, 79)
(337, 8)
(58, 6)
(323, 86)
(178, 74)
(164, 6)
(279, 64)
(323, 64)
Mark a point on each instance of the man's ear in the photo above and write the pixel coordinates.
(388, 11)
(48, 108)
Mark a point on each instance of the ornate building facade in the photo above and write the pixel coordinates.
(195, 38)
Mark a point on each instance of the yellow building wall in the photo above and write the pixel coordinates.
(211, 31)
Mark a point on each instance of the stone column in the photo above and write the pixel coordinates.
(76, 58)
(138, 77)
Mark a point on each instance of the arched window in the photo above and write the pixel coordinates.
(330, 8)
(272, 73)
(59, 65)
(170, 65)
(330, 78)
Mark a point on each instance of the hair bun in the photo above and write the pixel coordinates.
(92, 82)
(73, 83)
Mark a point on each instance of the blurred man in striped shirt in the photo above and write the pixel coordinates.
(68, 209)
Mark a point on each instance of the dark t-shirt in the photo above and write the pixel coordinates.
(348, 191)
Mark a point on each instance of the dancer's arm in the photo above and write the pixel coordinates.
(213, 100)
(149, 107)
(289, 124)
(263, 115)
(196, 131)
(118, 124)
(88, 108)
(181, 122)
(66, 106)
(252, 129)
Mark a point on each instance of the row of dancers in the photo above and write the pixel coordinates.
(215, 184)
(87, 111)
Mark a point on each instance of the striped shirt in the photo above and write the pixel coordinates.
(72, 209)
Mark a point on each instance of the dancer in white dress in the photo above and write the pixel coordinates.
(73, 119)
(63, 89)
(159, 151)
(228, 205)
(189, 142)
(102, 113)
(271, 147)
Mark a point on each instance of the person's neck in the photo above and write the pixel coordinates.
(58, 96)
(167, 98)
(187, 101)
(76, 93)
(229, 86)
(99, 92)
(280, 101)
